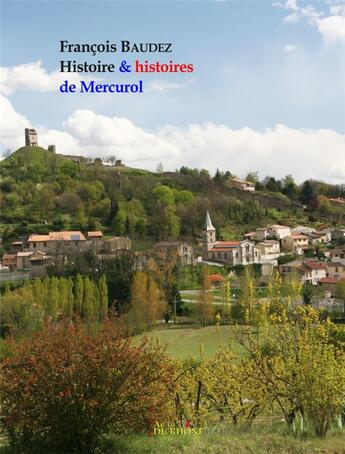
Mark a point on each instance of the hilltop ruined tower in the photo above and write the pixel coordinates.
(31, 139)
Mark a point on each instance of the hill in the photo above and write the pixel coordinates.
(31, 156)
(39, 185)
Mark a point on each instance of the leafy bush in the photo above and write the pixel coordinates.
(63, 389)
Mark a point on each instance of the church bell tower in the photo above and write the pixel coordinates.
(209, 234)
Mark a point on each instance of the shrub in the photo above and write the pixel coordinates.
(63, 389)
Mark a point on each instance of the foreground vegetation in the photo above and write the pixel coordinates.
(74, 387)
(264, 437)
(76, 379)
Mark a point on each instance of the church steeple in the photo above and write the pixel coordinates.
(209, 234)
(208, 223)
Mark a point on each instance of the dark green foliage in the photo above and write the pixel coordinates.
(307, 293)
(119, 273)
(309, 195)
(286, 259)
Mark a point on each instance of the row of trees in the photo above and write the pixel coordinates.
(140, 298)
(26, 308)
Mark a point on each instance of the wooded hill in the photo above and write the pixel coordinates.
(42, 191)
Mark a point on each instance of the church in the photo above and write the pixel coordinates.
(229, 252)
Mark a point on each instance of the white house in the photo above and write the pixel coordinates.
(268, 247)
(280, 231)
(296, 242)
(309, 272)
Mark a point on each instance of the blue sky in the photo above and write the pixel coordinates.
(253, 67)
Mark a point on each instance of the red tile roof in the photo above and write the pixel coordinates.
(58, 236)
(216, 278)
(227, 244)
(329, 280)
(314, 265)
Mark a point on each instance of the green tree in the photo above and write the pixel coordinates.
(204, 307)
(309, 195)
(78, 294)
(54, 306)
(164, 194)
(173, 222)
(119, 223)
(103, 297)
(88, 299)
(290, 188)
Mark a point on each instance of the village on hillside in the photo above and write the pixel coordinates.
(316, 257)
(31, 256)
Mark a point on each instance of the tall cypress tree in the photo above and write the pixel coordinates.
(78, 294)
(88, 300)
(103, 297)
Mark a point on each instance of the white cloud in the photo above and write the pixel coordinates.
(161, 85)
(278, 151)
(12, 125)
(289, 48)
(32, 76)
(331, 27)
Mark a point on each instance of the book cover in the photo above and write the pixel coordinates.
(172, 226)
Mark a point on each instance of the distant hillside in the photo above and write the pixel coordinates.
(39, 185)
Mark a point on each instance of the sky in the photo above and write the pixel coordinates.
(267, 93)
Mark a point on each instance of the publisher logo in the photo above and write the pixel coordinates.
(170, 430)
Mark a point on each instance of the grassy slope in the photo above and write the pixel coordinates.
(39, 155)
(30, 155)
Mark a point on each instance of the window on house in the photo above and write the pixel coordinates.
(45, 244)
(34, 244)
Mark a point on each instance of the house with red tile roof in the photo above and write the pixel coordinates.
(57, 241)
(330, 284)
(308, 271)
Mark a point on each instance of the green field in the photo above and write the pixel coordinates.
(184, 342)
